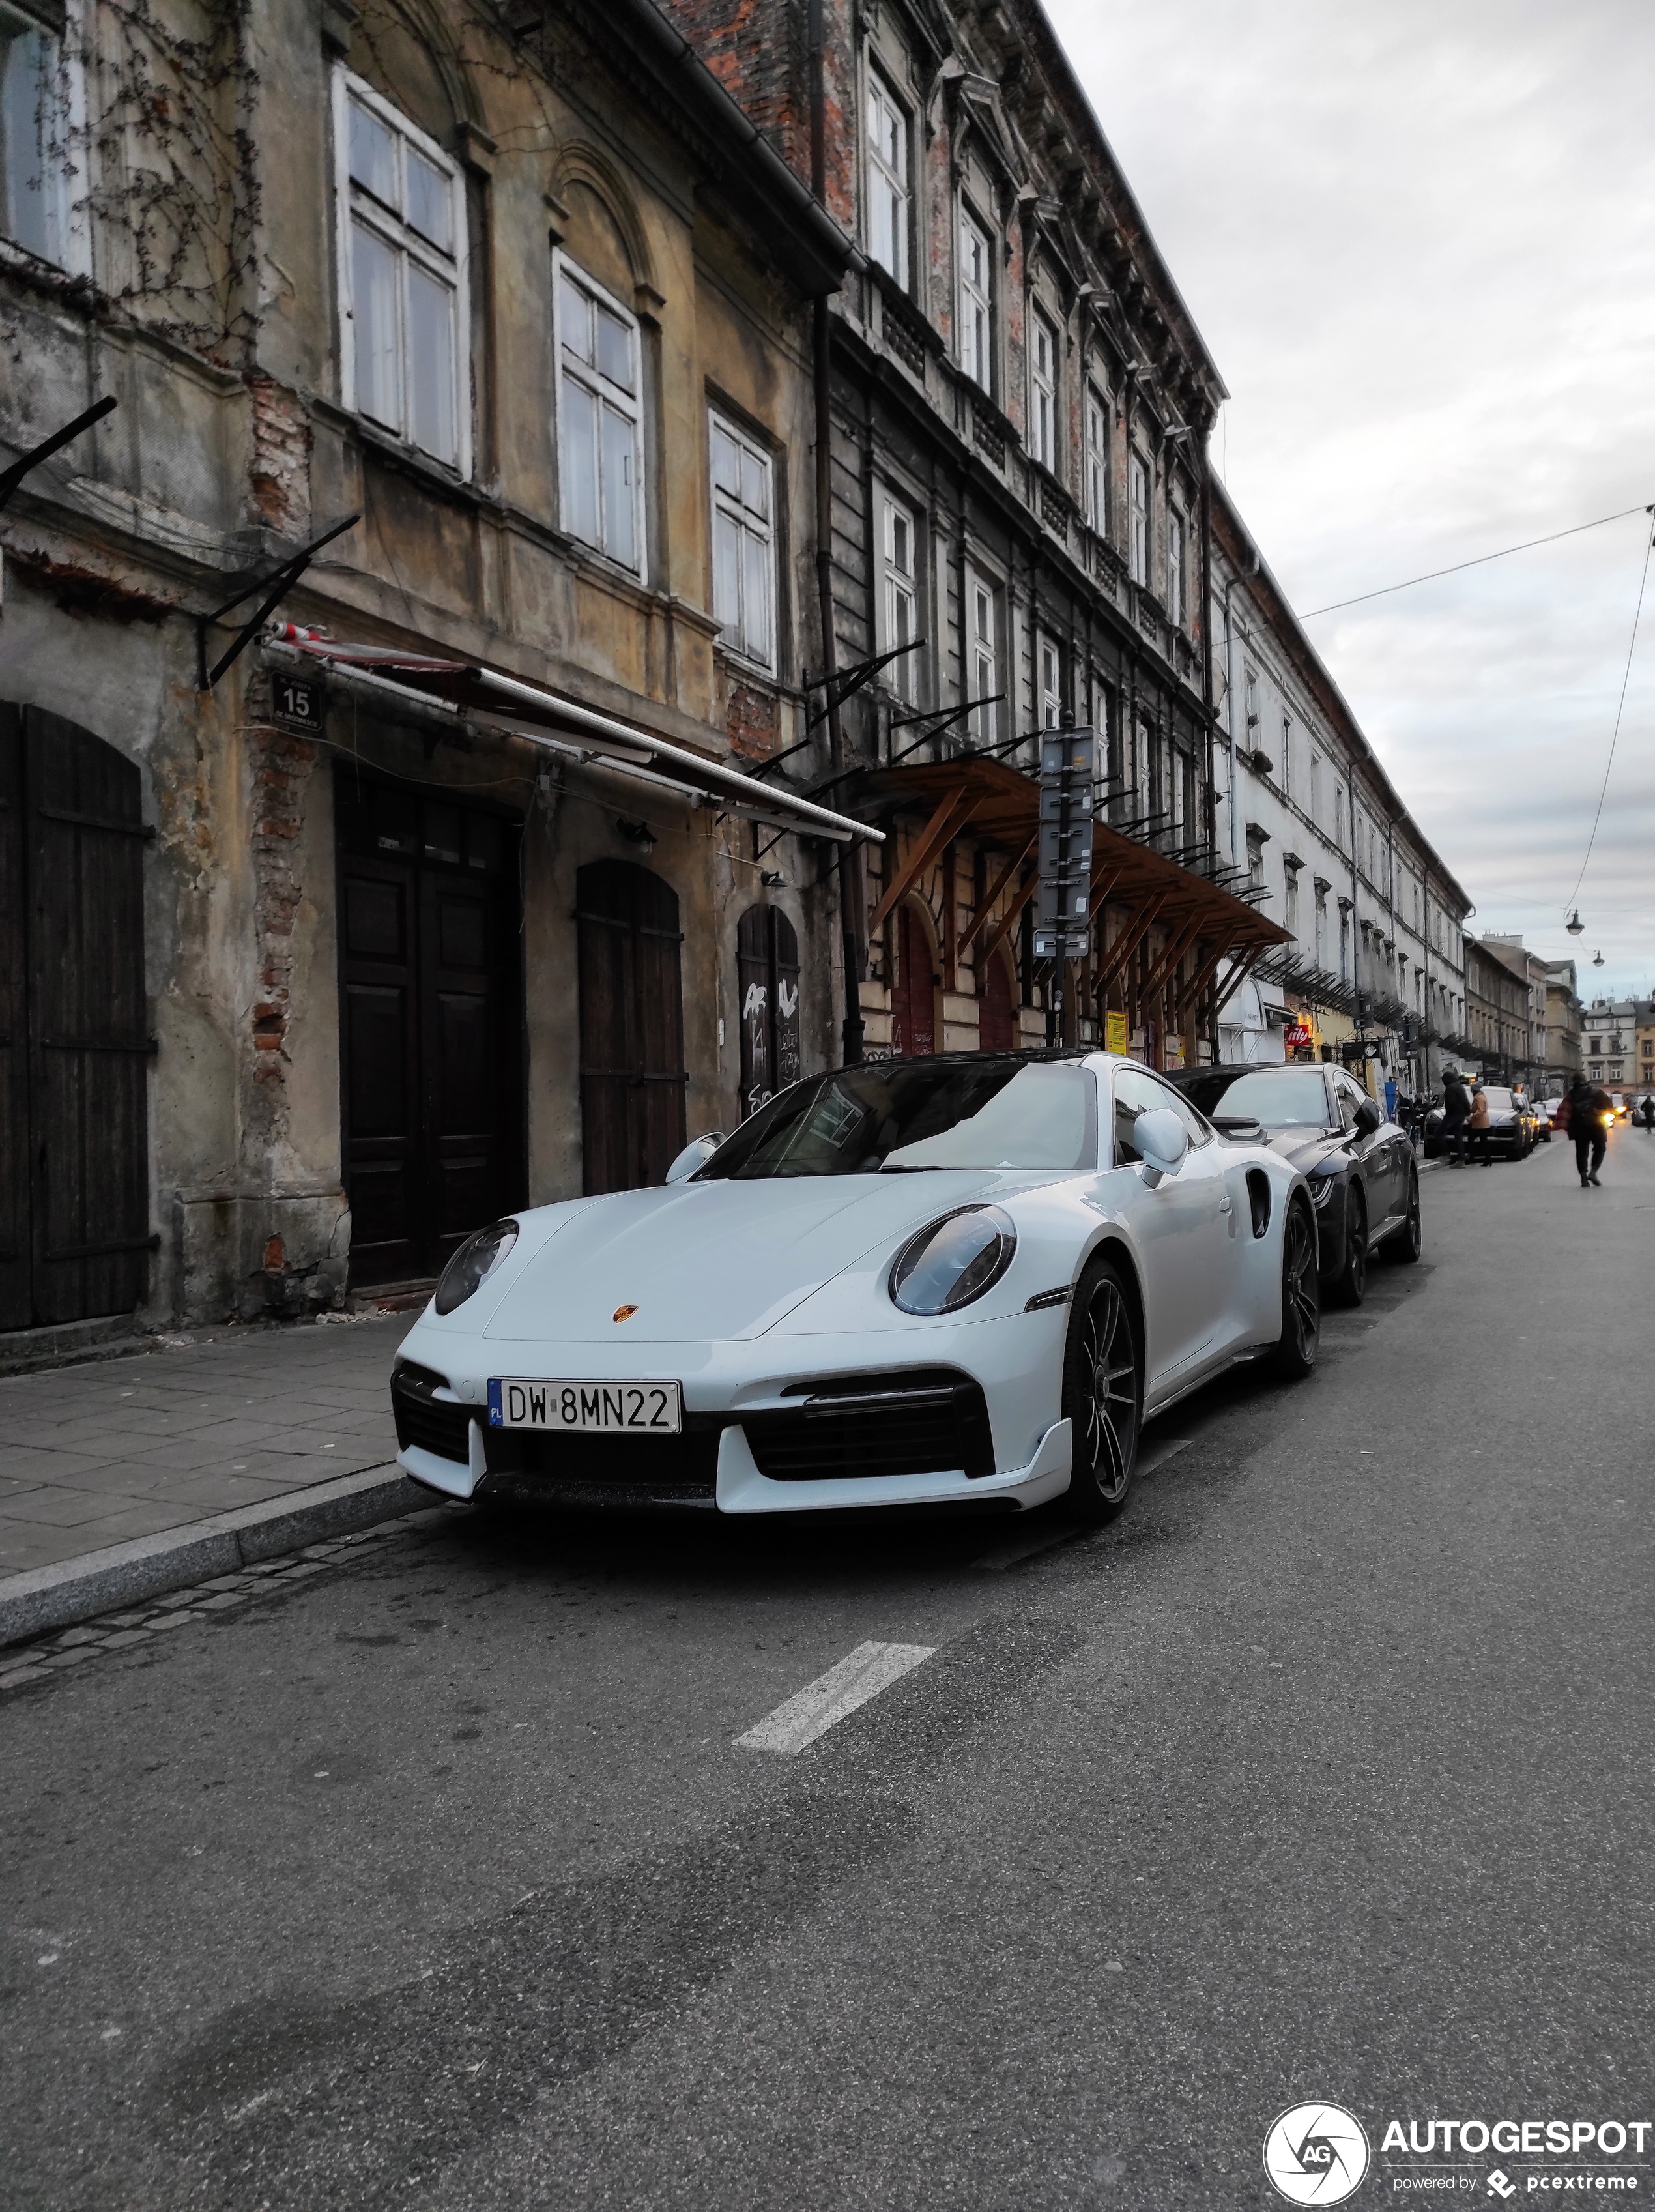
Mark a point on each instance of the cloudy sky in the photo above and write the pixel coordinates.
(1419, 237)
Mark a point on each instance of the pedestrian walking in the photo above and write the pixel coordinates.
(1456, 1113)
(1481, 1122)
(1647, 1110)
(1589, 1112)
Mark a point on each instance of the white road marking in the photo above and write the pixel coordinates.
(869, 1669)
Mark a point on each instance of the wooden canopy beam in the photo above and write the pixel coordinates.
(1000, 883)
(1171, 953)
(1127, 943)
(1008, 921)
(950, 818)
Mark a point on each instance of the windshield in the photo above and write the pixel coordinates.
(1499, 1101)
(1280, 1097)
(891, 1116)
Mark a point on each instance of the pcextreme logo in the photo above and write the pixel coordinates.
(1316, 2154)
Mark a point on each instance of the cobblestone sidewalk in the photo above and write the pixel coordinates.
(94, 1455)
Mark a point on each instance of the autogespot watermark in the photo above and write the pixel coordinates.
(1319, 2154)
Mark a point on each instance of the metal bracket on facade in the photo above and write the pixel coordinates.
(840, 685)
(276, 585)
(11, 477)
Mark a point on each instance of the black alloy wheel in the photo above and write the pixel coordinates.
(1353, 1274)
(1102, 1393)
(1404, 1243)
(1302, 1293)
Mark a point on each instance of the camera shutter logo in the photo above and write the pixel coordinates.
(1316, 2154)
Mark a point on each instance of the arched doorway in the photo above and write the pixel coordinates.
(913, 994)
(996, 1013)
(631, 1026)
(767, 979)
(75, 1235)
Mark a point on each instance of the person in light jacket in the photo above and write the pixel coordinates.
(1481, 1122)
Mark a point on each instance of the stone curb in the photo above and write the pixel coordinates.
(72, 1591)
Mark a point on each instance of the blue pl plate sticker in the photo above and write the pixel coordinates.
(496, 1412)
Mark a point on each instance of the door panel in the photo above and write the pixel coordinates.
(632, 1026)
(74, 1235)
(431, 1005)
(996, 1015)
(767, 982)
(1182, 1226)
(914, 1002)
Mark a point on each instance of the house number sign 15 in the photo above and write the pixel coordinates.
(296, 704)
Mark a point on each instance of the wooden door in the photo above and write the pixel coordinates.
(75, 1233)
(913, 998)
(997, 1018)
(631, 1026)
(767, 979)
(431, 1011)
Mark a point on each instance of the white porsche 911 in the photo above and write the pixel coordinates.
(961, 1280)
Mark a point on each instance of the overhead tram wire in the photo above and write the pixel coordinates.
(1482, 559)
(1620, 709)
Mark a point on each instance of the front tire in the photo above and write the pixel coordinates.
(1405, 1242)
(1102, 1393)
(1353, 1274)
(1302, 1296)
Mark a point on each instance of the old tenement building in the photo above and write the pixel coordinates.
(318, 957)
(1020, 412)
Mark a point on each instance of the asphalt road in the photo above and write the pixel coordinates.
(438, 1879)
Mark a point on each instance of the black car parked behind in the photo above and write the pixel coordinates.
(1359, 1165)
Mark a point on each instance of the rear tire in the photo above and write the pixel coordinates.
(1102, 1393)
(1301, 1296)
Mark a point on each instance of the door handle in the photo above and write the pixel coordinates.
(1225, 1205)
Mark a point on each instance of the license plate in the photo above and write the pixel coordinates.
(652, 1409)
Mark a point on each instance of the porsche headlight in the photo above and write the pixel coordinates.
(952, 1260)
(473, 1264)
(1322, 1188)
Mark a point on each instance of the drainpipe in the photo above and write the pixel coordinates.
(852, 902)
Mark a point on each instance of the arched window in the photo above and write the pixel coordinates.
(768, 978)
(631, 1026)
(914, 995)
(996, 1013)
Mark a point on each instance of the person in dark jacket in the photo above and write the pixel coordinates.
(1456, 1113)
(1589, 1110)
(1646, 1109)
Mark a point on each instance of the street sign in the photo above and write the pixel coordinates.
(296, 703)
(1062, 900)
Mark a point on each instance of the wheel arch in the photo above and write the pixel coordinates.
(1109, 1244)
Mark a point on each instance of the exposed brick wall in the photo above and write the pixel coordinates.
(757, 51)
(751, 721)
(279, 476)
(281, 767)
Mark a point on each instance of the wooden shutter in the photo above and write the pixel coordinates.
(767, 980)
(913, 1003)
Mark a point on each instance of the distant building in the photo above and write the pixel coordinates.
(1619, 1043)
(1497, 1014)
(1563, 1059)
(1530, 970)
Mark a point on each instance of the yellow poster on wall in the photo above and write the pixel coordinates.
(1114, 1032)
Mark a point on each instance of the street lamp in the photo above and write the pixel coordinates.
(1574, 926)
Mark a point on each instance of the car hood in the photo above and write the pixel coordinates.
(1300, 1147)
(718, 1260)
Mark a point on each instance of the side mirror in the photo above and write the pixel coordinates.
(1162, 1141)
(1368, 1118)
(696, 1154)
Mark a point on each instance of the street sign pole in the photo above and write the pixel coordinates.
(1068, 773)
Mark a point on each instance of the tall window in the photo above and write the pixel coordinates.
(403, 274)
(1049, 668)
(901, 595)
(1291, 918)
(1175, 569)
(1286, 777)
(600, 453)
(33, 137)
(1097, 459)
(982, 654)
(1043, 390)
(888, 180)
(743, 544)
(1138, 477)
(976, 303)
(1315, 786)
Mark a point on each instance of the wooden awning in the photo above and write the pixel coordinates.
(999, 807)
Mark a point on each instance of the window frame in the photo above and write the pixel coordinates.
(896, 585)
(67, 235)
(750, 525)
(876, 165)
(395, 230)
(984, 721)
(1048, 651)
(1137, 551)
(564, 265)
(976, 297)
(1177, 597)
(1043, 390)
(1097, 457)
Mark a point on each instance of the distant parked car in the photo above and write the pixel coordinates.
(1359, 1166)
